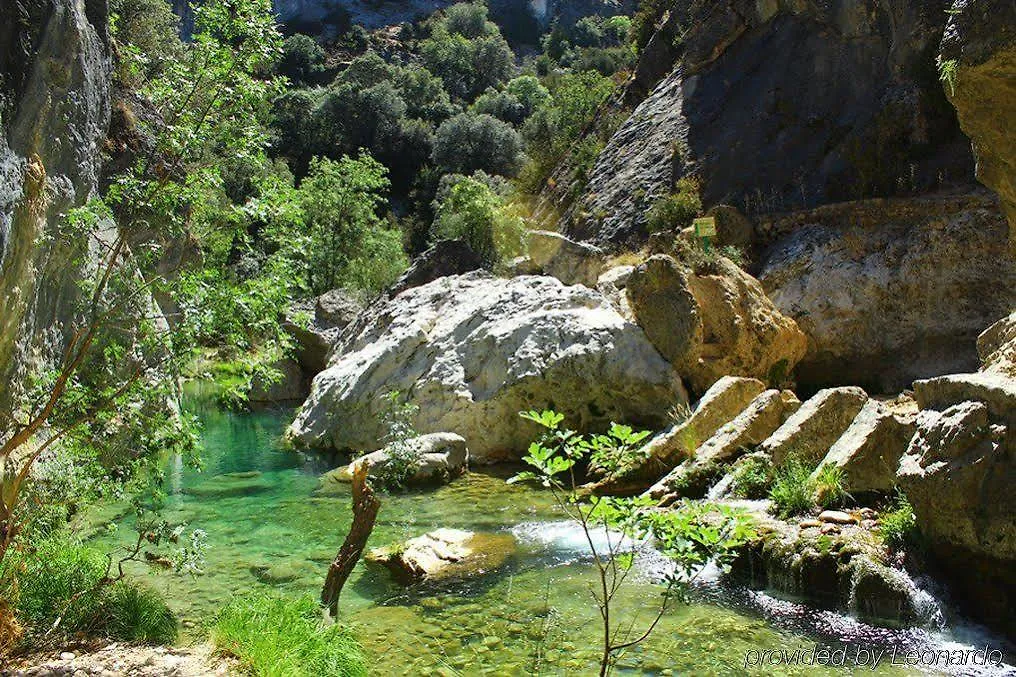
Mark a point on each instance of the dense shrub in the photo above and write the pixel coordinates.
(470, 209)
(897, 524)
(424, 94)
(467, 52)
(60, 579)
(302, 59)
(753, 477)
(147, 39)
(792, 490)
(677, 210)
(347, 242)
(273, 635)
(469, 142)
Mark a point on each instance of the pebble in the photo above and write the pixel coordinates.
(67, 656)
(829, 529)
(836, 517)
(810, 524)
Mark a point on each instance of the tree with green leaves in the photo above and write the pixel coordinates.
(348, 244)
(690, 535)
(102, 410)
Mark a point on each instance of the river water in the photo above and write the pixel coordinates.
(267, 527)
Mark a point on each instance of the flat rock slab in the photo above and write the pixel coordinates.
(445, 554)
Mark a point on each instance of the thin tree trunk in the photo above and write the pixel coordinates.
(365, 509)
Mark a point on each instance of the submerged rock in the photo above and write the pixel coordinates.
(440, 457)
(722, 402)
(230, 484)
(474, 350)
(709, 326)
(443, 554)
(811, 430)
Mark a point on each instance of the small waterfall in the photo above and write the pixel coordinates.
(721, 488)
(884, 592)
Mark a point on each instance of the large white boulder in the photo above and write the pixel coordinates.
(473, 350)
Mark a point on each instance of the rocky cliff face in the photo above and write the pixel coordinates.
(978, 63)
(777, 105)
(888, 291)
(54, 111)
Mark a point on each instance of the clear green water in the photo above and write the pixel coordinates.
(259, 507)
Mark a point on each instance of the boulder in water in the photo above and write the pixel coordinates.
(439, 457)
(444, 554)
(474, 350)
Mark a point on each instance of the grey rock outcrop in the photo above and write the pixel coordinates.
(996, 346)
(54, 112)
(774, 106)
(978, 61)
(811, 430)
(869, 451)
(888, 291)
(473, 350)
(569, 261)
(958, 474)
(443, 258)
(712, 325)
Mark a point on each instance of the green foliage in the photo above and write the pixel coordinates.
(403, 460)
(792, 492)
(898, 523)
(137, 614)
(345, 244)
(646, 20)
(947, 69)
(552, 130)
(470, 210)
(56, 586)
(469, 142)
(276, 636)
(691, 534)
(753, 477)
(303, 59)
(697, 479)
(827, 487)
(145, 33)
(467, 52)
(676, 211)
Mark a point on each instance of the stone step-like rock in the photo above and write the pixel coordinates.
(760, 418)
(811, 430)
(721, 403)
(869, 451)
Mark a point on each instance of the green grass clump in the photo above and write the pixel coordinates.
(677, 210)
(276, 636)
(792, 491)
(137, 614)
(753, 477)
(898, 525)
(60, 579)
(828, 487)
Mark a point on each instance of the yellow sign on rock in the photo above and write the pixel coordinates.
(705, 226)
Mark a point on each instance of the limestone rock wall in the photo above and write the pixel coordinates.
(54, 112)
(777, 105)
